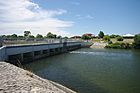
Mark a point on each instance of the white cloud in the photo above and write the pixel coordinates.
(19, 15)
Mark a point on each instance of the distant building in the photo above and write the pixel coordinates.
(128, 36)
(89, 34)
(76, 37)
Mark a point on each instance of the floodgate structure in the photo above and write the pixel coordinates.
(17, 54)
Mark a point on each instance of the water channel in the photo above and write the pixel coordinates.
(93, 70)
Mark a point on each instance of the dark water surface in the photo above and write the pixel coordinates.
(93, 70)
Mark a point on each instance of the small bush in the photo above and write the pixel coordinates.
(136, 43)
(106, 38)
(109, 42)
(119, 46)
(119, 38)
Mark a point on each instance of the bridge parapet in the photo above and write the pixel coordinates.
(29, 41)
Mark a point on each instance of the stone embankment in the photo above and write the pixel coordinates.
(17, 80)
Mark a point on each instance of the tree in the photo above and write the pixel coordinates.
(50, 35)
(31, 36)
(3, 36)
(137, 41)
(85, 37)
(112, 36)
(106, 38)
(101, 34)
(59, 37)
(39, 36)
(8, 36)
(14, 36)
(20, 37)
(65, 37)
(11, 36)
(54, 35)
(27, 33)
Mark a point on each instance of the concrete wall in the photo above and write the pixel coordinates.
(11, 50)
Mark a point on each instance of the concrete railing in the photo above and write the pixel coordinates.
(29, 41)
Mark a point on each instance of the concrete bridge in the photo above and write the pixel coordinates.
(26, 53)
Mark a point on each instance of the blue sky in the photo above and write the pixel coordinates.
(74, 17)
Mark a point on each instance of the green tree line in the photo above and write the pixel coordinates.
(27, 34)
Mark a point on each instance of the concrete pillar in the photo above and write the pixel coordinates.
(60, 41)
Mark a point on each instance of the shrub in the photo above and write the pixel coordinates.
(85, 37)
(106, 38)
(119, 38)
(119, 46)
(109, 42)
(137, 41)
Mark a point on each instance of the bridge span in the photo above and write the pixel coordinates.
(27, 53)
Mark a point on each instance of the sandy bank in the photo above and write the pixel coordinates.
(16, 80)
(98, 45)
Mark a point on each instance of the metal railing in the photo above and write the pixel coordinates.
(31, 41)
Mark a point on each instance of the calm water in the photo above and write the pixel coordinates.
(93, 70)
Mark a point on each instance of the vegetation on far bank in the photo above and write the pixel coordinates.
(114, 41)
(118, 45)
(125, 45)
(27, 34)
(137, 41)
